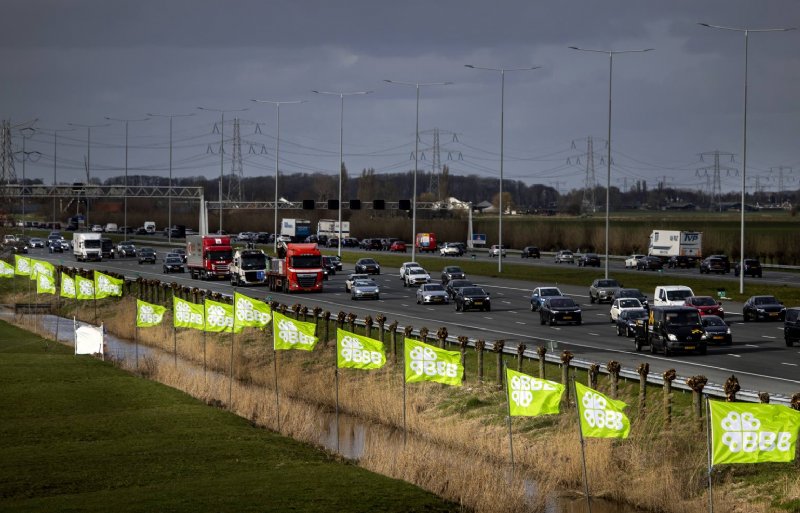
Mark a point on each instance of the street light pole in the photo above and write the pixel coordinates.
(55, 167)
(125, 194)
(341, 96)
(26, 133)
(502, 131)
(277, 105)
(169, 195)
(88, 161)
(221, 153)
(746, 32)
(610, 54)
(416, 85)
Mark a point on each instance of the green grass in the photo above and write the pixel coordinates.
(80, 435)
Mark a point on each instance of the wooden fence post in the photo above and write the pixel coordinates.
(541, 351)
(393, 332)
(497, 347)
(463, 344)
(566, 357)
(613, 367)
(368, 326)
(643, 370)
(423, 334)
(669, 376)
(520, 355)
(697, 383)
(731, 387)
(381, 319)
(351, 321)
(480, 345)
(441, 334)
(326, 316)
(594, 370)
(763, 397)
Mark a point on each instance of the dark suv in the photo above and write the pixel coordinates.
(791, 326)
(725, 261)
(531, 252)
(713, 264)
(670, 329)
(589, 260)
(752, 267)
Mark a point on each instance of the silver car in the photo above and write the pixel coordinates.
(565, 256)
(363, 289)
(352, 278)
(432, 293)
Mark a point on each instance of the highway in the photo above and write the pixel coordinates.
(758, 356)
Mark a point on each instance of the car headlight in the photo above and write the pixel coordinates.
(704, 336)
(672, 337)
(577, 311)
(760, 310)
(728, 331)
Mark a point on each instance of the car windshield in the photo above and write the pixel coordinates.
(354, 277)
(221, 255)
(147, 251)
(367, 261)
(433, 288)
(92, 243)
(635, 314)
(549, 292)
(254, 261)
(704, 301)
(766, 300)
(683, 318)
(305, 261)
(562, 303)
(677, 295)
(452, 269)
(416, 270)
(364, 283)
(460, 283)
(174, 260)
(630, 303)
(713, 321)
(473, 291)
(607, 283)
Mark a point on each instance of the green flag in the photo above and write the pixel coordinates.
(187, 315)
(106, 285)
(291, 334)
(45, 284)
(601, 416)
(219, 317)
(148, 314)
(424, 362)
(67, 286)
(41, 267)
(250, 313)
(6, 269)
(752, 433)
(84, 287)
(358, 352)
(529, 396)
(22, 265)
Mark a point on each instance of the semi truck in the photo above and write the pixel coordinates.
(87, 246)
(300, 270)
(208, 256)
(425, 242)
(672, 243)
(296, 229)
(329, 228)
(248, 267)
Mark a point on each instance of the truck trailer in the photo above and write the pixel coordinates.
(329, 228)
(87, 246)
(208, 256)
(296, 229)
(672, 243)
(300, 270)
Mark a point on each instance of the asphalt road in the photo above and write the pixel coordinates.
(758, 356)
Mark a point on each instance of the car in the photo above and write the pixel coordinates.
(717, 330)
(337, 262)
(530, 252)
(243, 236)
(472, 297)
(752, 267)
(180, 252)
(406, 266)
(173, 264)
(398, 246)
(415, 276)
(140, 231)
(371, 244)
(671, 329)
(589, 260)
(349, 242)
(262, 237)
(687, 262)
(706, 305)
(147, 255)
(649, 263)
(352, 278)
(451, 249)
(96, 228)
(432, 293)
(452, 272)
(725, 260)
(332, 242)
(564, 256)
(628, 319)
(368, 266)
(386, 244)
(540, 294)
(19, 245)
(9, 239)
(36, 242)
(630, 262)
(497, 250)
(603, 289)
(329, 265)
(53, 239)
(712, 265)
(66, 245)
(766, 308)
(126, 249)
(54, 245)
(620, 305)
(362, 289)
(557, 309)
(636, 293)
(671, 295)
(791, 326)
(453, 286)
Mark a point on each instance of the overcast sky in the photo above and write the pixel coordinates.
(82, 61)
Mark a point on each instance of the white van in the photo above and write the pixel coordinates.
(150, 227)
(671, 295)
(111, 228)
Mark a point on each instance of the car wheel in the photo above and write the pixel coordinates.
(619, 331)
(551, 321)
(458, 307)
(532, 308)
(703, 350)
(789, 342)
(637, 345)
(591, 299)
(378, 296)
(541, 319)
(488, 308)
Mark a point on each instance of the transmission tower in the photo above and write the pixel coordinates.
(235, 178)
(713, 177)
(436, 166)
(781, 171)
(589, 200)
(7, 173)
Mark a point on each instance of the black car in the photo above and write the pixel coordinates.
(752, 267)
(107, 247)
(725, 260)
(329, 265)
(791, 326)
(767, 308)
(454, 285)
(712, 265)
(634, 293)
(589, 260)
(337, 262)
(559, 309)
(173, 264)
(371, 244)
(452, 272)
(181, 252)
(686, 262)
(649, 263)
(126, 249)
(717, 331)
(472, 297)
(531, 252)
(368, 265)
(627, 320)
(147, 255)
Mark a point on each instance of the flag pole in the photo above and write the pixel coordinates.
(277, 400)
(508, 405)
(336, 377)
(233, 341)
(710, 466)
(583, 451)
(405, 429)
(94, 295)
(58, 304)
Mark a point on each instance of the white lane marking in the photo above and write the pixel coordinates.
(488, 318)
(751, 345)
(787, 363)
(520, 322)
(506, 302)
(735, 355)
(767, 336)
(593, 334)
(403, 304)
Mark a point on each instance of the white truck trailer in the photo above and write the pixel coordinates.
(673, 243)
(87, 246)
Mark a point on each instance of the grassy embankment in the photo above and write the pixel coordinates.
(80, 435)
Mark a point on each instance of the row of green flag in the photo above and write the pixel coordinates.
(44, 274)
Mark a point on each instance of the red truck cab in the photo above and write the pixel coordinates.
(300, 270)
(208, 256)
(425, 242)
